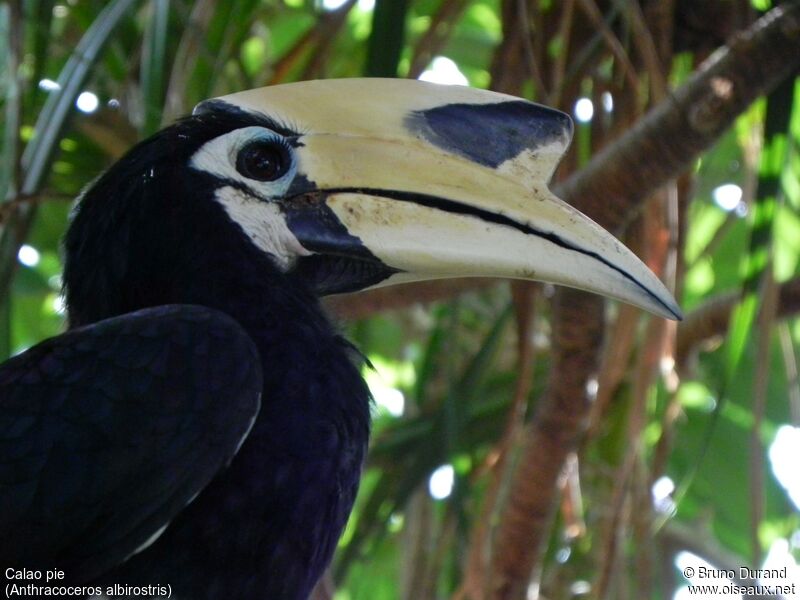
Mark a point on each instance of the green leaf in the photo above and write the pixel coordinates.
(40, 151)
(386, 40)
(153, 65)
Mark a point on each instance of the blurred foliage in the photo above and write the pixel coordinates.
(455, 363)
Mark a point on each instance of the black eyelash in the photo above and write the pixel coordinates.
(280, 126)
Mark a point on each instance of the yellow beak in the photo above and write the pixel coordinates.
(413, 181)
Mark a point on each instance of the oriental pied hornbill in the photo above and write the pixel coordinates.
(202, 424)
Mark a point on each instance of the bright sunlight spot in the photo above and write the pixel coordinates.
(28, 255)
(592, 386)
(608, 101)
(662, 495)
(389, 398)
(780, 556)
(580, 588)
(59, 304)
(87, 102)
(584, 110)
(364, 5)
(48, 85)
(563, 554)
(385, 381)
(727, 196)
(783, 453)
(440, 485)
(444, 70)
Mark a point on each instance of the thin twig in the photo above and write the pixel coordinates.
(711, 318)
(110, 130)
(191, 46)
(614, 530)
(436, 35)
(560, 65)
(614, 365)
(792, 372)
(363, 304)
(14, 106)
(507, 70)
(643, 38)
(613, 43)
(476, 581)
(12, 205)
(293, 56)
(766, 318)
(329, 27)
(416, 544)
(719, 235)
(527, 48)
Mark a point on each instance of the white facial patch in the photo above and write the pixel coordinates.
(256, 213)
(264, 224)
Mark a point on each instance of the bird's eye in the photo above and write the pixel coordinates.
(263, 160)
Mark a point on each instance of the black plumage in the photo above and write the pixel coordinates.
(109, 430)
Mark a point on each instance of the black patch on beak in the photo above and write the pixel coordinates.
(490, 134)
(318, 228)
(341, 263)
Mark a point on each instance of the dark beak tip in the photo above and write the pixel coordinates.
(670, 308)
(677, 313)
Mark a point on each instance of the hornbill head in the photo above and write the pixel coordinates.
(358, 183)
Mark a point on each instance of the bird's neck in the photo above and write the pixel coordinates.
(301, 464)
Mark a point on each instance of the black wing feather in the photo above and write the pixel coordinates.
(109, 430)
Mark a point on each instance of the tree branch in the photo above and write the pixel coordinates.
(611, 189)
(711, 319)
(364, 304)
(668, 139)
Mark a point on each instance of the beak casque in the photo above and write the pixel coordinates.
(441, 181)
